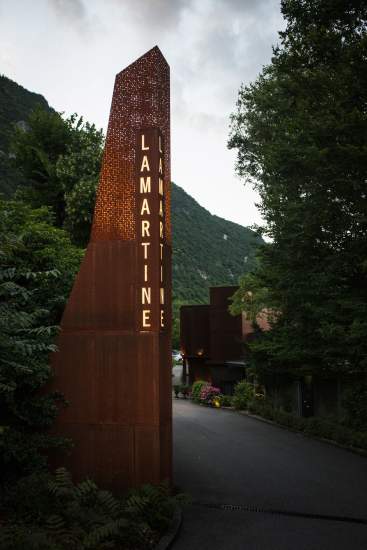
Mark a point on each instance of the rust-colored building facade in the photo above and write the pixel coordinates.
(114, 358)
(212, 341)
(213, 346)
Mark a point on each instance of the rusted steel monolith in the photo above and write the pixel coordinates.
(114, 358)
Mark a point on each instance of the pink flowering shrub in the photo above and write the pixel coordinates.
(208, 393)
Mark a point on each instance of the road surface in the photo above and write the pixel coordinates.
(256, 486)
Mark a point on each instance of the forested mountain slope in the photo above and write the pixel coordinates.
(207, 250)
(15, 105)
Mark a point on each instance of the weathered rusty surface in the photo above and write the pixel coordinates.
(225, 329)
(115, 373)
(141, 99)
(195, 331)
(210, 331)
(212, 341)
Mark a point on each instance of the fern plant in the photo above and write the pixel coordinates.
(50, 512)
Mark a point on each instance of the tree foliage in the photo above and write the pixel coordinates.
(78, 171)
(37, 267)
(251, 297)
(60, 162)
(300, 133)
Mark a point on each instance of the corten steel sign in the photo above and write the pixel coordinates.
(114, 359)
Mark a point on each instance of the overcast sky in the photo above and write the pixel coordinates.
(70, 51)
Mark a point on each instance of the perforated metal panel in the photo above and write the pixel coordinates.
(115, 373)
(141, 99)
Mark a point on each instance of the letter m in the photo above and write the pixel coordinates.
(145, 185)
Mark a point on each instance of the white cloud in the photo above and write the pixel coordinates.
(70, 51)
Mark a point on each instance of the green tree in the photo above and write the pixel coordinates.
(36, 148)
(60, 161)
(45, 248)
(78, 171)
(250, 297)
(37, 267)
(300, 133)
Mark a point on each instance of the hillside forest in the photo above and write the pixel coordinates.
(50, 161)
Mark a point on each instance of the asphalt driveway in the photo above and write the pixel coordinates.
(258, 486)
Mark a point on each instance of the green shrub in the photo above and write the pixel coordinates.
(196, 390)
(51, 513)
(226, 400)
(314, 426)
(260, 407)
(355, 406)
(243, 393)
(177, 389)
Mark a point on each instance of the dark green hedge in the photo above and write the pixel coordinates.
(314, 426)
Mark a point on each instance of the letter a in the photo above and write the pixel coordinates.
(160, 186)
(145, 164)
(144, 207)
